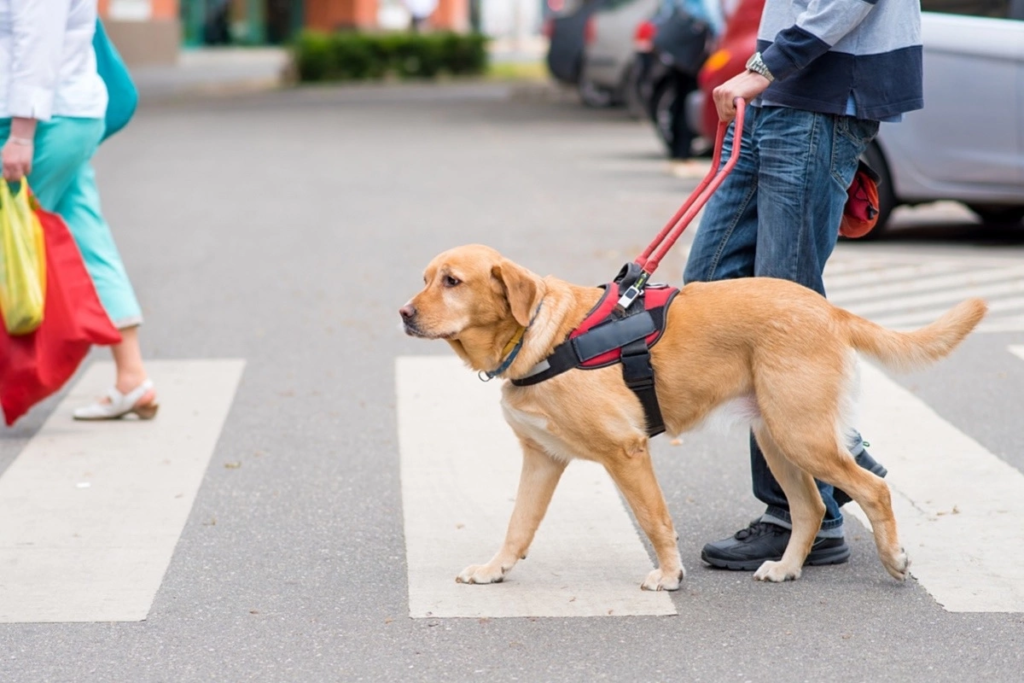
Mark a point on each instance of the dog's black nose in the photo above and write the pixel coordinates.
(407, 312)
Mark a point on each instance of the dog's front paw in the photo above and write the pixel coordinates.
(898, 565)
(660, 580)
(776, 572)
(481, 573)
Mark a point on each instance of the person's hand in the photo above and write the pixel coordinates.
(17, 158)
(747, 85)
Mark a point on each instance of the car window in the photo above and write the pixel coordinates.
(997, 9)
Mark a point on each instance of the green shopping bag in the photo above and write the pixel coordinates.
(22, 261)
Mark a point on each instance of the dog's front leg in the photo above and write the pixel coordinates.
(633, 473)
(537, 484)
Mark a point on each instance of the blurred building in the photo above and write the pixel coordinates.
(154, 31)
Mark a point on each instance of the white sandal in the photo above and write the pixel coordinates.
(120, 405)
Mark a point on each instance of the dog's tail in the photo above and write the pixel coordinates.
(910, 350)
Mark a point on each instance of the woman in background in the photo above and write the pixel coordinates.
(52, 107)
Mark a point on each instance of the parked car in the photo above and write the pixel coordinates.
(565, 29)
(608, 50)
(967, 144)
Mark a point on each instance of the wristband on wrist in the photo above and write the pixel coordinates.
(24, 142)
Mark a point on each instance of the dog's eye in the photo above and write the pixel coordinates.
(450, 281)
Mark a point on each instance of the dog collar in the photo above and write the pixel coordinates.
(511, 350)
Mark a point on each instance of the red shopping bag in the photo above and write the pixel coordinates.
(35, 365)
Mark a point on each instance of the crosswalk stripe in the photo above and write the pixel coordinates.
(860, 274)
(460, 468)
(904, 292)
(918, 318)
(899, 302)
(958, 506)
(884, 287)
(90, 513)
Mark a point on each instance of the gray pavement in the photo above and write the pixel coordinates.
(286, 228)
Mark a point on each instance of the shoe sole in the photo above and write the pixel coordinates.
(838, 555)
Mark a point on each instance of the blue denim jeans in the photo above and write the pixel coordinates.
(777, 215)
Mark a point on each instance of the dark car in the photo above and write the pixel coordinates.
(566, 27)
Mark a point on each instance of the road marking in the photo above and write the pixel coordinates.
(460, 469)
(920, 318)
(958, 506)
(925, 283)
(899, 292)
(90, 513)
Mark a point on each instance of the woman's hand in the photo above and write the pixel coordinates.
(17, 158)
(19, 149)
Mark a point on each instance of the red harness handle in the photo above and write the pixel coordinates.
(652, 255)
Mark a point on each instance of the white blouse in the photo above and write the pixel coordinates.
(47, 62)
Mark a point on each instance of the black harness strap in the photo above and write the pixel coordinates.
(639, 376)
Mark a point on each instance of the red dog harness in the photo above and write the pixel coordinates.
(606, 337)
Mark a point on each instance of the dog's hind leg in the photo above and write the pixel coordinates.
(818, 450)
(633, 473)
(805, 507)
(872, 494)
(537, 483)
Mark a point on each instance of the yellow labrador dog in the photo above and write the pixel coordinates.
(777, 351)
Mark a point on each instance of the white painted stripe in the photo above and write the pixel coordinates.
(856, 274)
(897, 302)
(919, 318)
(1015, 324)
(956, 282)
(460, 470)
(90, 513)
(958, 506)
(1017, 351)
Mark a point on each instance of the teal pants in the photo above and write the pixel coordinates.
(64, 182)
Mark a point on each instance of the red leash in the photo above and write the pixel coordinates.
(650, 258)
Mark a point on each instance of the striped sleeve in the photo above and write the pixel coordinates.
(817, 29)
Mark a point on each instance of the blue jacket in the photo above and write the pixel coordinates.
(859, 57)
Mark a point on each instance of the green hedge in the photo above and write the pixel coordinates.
(357, 56)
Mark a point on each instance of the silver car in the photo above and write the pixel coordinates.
(608, 51)
(967, 144)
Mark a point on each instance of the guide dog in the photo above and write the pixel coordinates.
(770, 349)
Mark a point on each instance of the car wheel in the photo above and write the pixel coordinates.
(886, 193)
(662, 103)
(593, 95)
(998, 215)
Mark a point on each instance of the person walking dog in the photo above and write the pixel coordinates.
(824, 76)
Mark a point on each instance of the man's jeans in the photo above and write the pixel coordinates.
(777, 215)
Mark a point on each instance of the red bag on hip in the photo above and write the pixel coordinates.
(36, 365)
(860, 214)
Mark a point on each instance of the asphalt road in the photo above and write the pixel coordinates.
(286, 229)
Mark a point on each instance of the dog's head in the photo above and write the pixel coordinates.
(473, 296)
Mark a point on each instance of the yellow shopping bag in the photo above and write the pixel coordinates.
(22, 261)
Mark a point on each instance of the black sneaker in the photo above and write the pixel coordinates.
(871, 465)
(749, 548)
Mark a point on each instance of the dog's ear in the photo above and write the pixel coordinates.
(523, 289)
